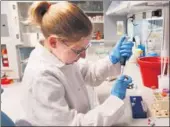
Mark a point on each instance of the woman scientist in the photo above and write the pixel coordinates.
(55, 81)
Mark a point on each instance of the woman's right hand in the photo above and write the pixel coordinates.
(120, 86)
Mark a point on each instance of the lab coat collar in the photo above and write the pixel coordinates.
(48, 56)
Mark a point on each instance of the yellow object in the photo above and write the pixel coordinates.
(138, 52)
(136, 55)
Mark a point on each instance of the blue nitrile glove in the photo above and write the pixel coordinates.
(120, 86)
(123, 48)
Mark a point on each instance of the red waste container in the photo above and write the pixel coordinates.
(150, 68)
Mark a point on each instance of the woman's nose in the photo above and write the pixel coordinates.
(83, 54)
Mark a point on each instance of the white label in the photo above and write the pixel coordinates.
(120, 27)
(5, 61)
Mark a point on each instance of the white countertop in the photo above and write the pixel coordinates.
(11, 96)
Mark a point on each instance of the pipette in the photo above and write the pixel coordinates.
(124, 59)
(122, 63)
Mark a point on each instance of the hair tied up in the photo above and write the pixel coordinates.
(37, 11)
(44, 10)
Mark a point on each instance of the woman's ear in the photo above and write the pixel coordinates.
(52, 41)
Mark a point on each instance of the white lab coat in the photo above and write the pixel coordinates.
(55, 94)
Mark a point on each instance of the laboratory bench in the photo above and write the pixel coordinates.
(10, 99)
(132, 69)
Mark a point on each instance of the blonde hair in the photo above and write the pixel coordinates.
(63, 19)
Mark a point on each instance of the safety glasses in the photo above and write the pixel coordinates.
(78, 52)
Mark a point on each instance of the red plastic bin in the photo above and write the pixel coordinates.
(150, 68)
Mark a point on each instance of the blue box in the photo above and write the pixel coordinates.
(139, 109)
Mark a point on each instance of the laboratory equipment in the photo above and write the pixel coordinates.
(120, 51)
(147, 65)
(122, 63)
(151, 46)
(123, 59)
(163, 82)
(142, 47)
(166, 91)
(160, 107)
(164, 77)
(151, 122)
(139, 109)
(139, 46)
(120, 86)
(130, 86)
(136, 54)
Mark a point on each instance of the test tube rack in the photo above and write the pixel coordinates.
(160, 107)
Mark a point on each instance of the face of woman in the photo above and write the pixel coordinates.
(70, 52)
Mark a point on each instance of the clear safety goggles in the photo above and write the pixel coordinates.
(78, 52)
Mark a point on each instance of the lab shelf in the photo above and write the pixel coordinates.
(155, 18)
(156, 29)
(28, 35)
(97, 44)
(91, 8)
(97, 21)
(93, 12)
(6, 69)
(101, 40)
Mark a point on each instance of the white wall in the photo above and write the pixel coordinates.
(10, 42)
(110, 23)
